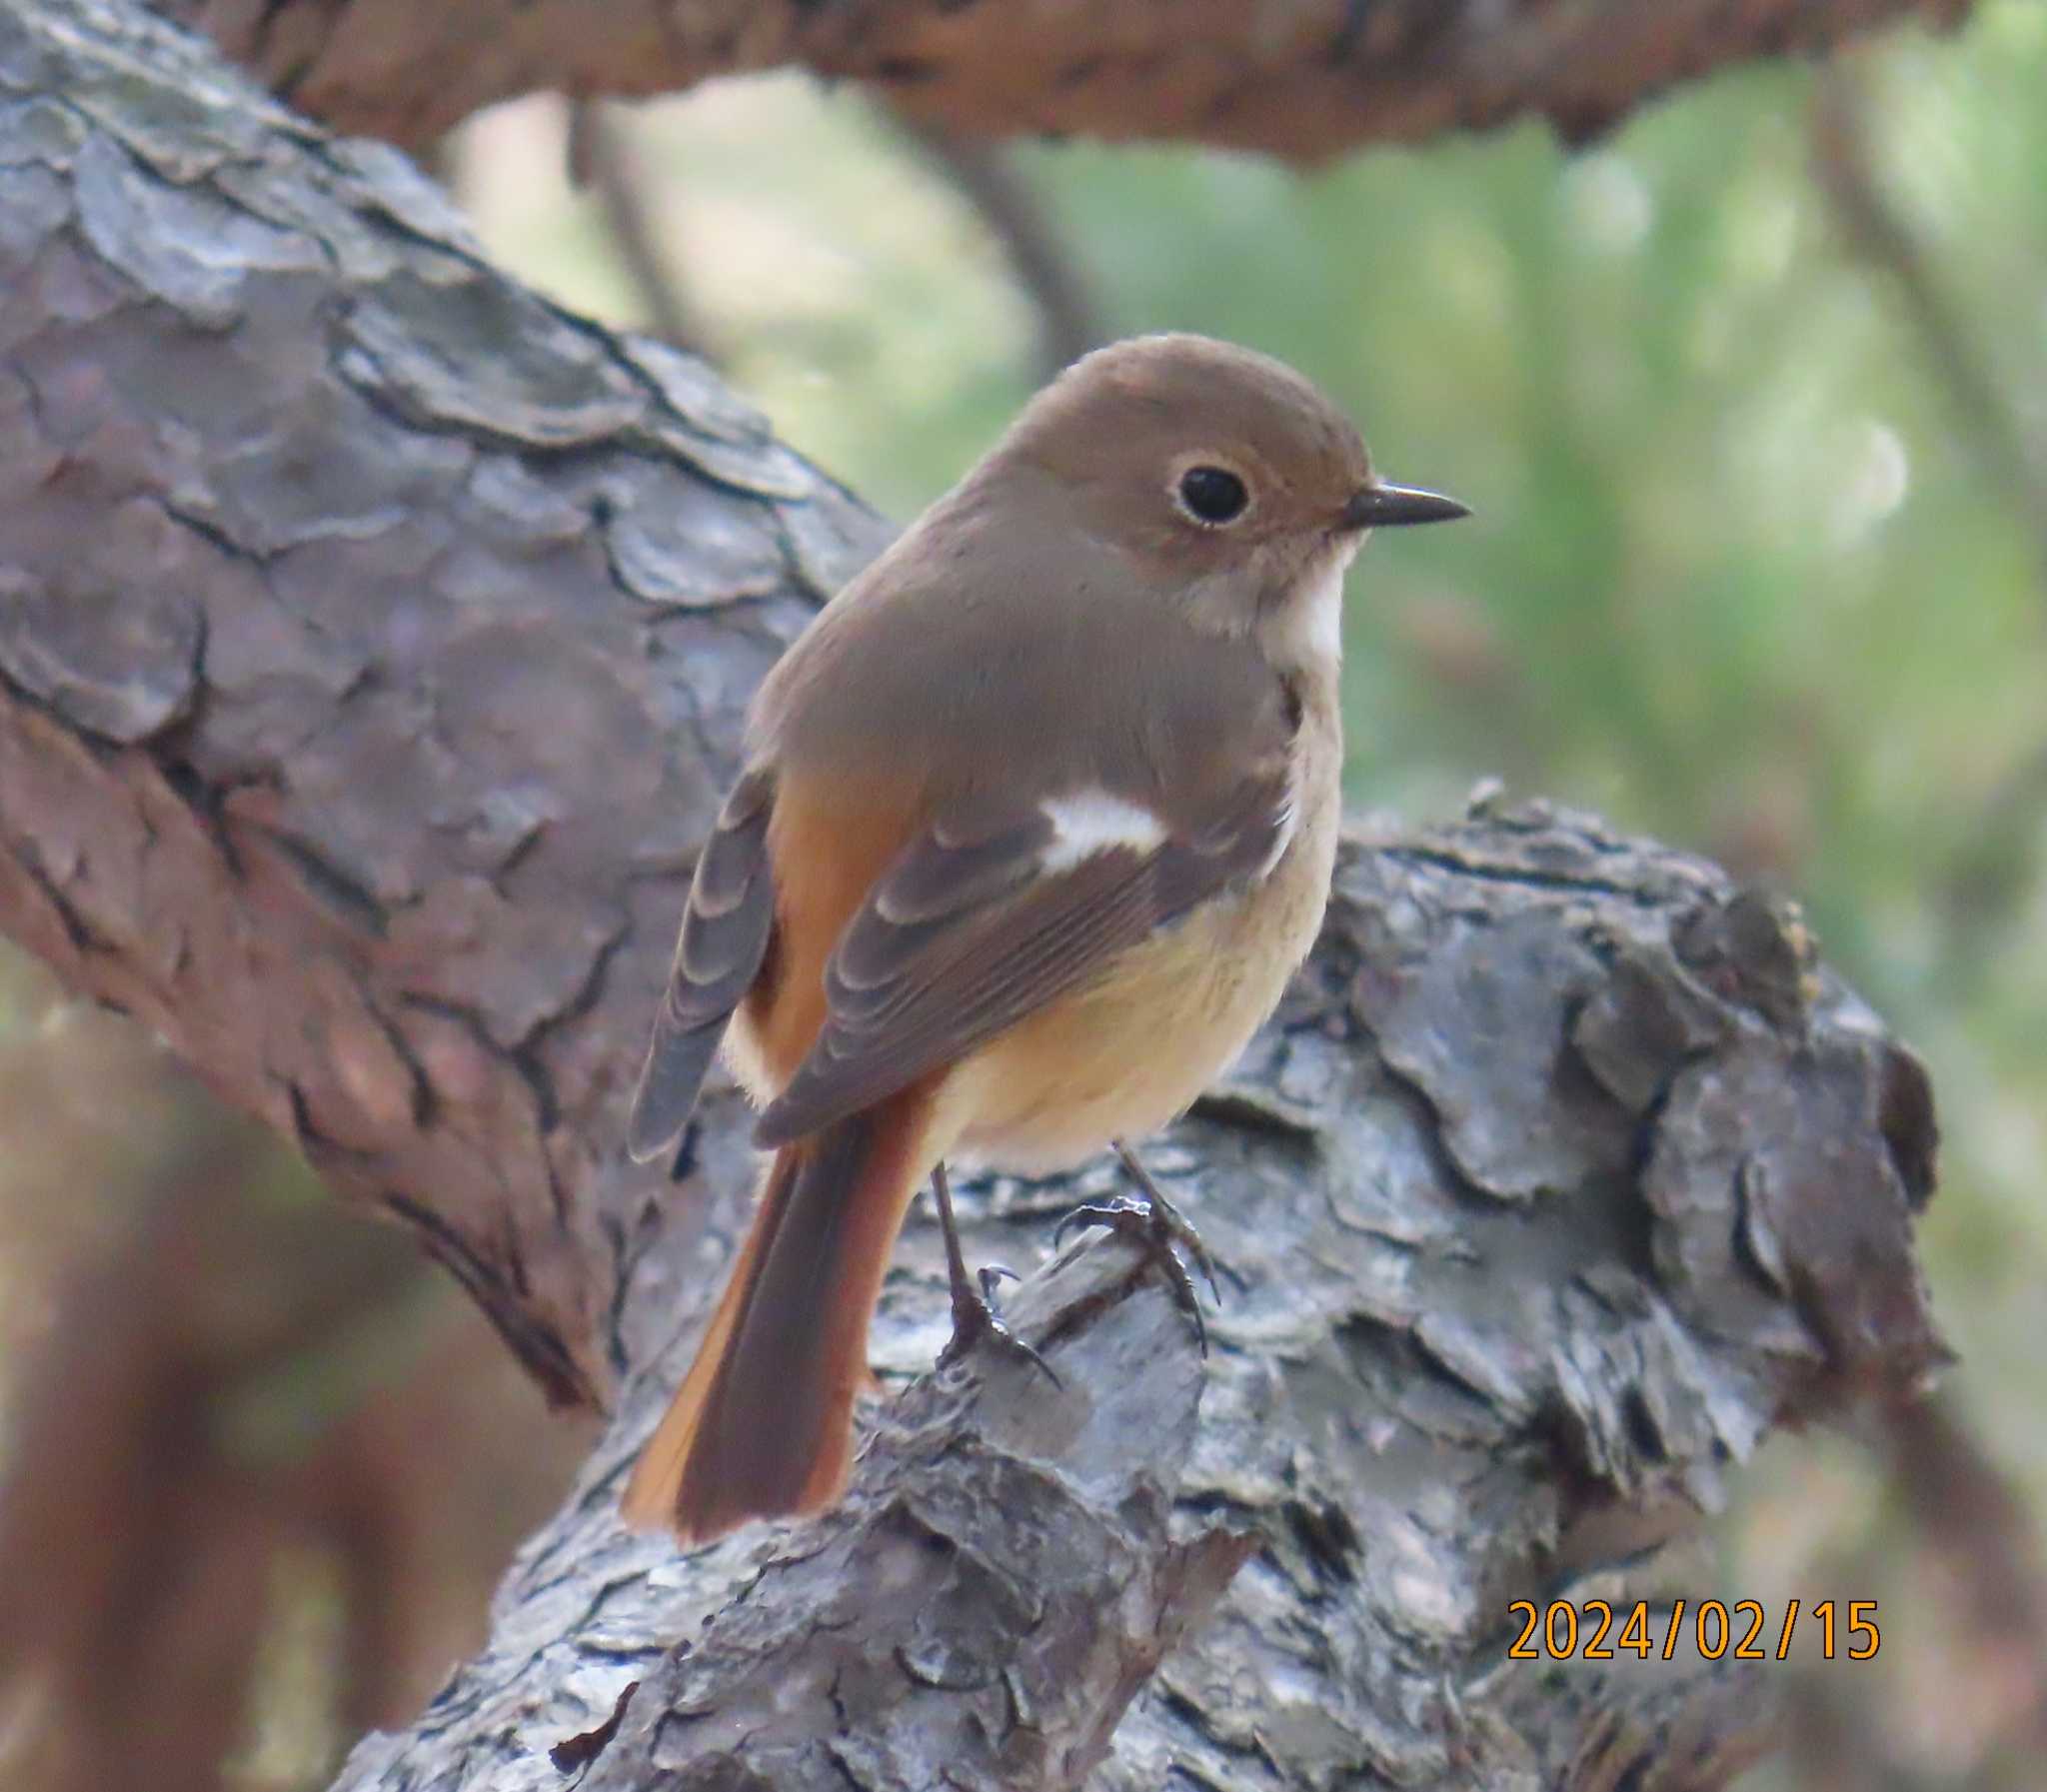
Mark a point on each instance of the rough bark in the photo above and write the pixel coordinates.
(1304, 79)
(371, 639)
(374, 635)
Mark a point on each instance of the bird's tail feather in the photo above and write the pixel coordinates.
(763, 1425)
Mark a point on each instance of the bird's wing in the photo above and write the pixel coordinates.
(724, 937)
(998, 907)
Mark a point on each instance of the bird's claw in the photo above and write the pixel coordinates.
(974, 1323)
(1178, 1227)
(973, 1314)
(1154, 1225)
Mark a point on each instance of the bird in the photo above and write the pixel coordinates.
(1035, 822)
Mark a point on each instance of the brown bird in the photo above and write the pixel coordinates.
(1038, 817)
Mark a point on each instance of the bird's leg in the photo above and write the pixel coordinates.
(974, 1313)
(1154, 1225)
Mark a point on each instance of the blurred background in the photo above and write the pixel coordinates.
(1751, 401)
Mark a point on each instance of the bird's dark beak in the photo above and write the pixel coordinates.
(1380, 505)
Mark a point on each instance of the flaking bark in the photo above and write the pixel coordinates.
(373, 637)
(1303, 79)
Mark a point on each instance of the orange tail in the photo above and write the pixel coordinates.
(763, 1425)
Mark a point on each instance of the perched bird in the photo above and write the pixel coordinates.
(1037, 819)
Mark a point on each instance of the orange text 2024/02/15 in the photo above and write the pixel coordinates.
(1747, 1630)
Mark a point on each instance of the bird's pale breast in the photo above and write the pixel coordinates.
(1131, 1051)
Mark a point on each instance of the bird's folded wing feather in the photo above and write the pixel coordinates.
(723, 937)
(994, 910)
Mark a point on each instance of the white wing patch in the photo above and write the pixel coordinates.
(1091, 821)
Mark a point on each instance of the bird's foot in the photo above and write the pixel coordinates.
(1156, 1227)
(975, 1321)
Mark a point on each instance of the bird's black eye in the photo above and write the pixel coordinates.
(1212, 495)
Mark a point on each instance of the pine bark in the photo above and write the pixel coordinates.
(1303, 79)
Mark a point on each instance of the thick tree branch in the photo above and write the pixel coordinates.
(1306, 81)
(372, 641)
(1560, 1179)
(374, 637)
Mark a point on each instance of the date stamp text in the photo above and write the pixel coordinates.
(1594, 1630)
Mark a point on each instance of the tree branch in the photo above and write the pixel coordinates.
(1560, 1179)
(1068, 322)
(1993, 430)
(1306, 81)
(603, 154)
(373, 637)
(1992, 868)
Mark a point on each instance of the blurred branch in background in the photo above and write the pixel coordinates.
(1878, 231)
(603, 156)
(1996, 861)
(1983, 1546)
(1976, 1555)
(263, 1464)
(1955, 1697)
(1051, 278)
(1998, 867)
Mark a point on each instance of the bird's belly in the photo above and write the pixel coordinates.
(1130, 1052)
